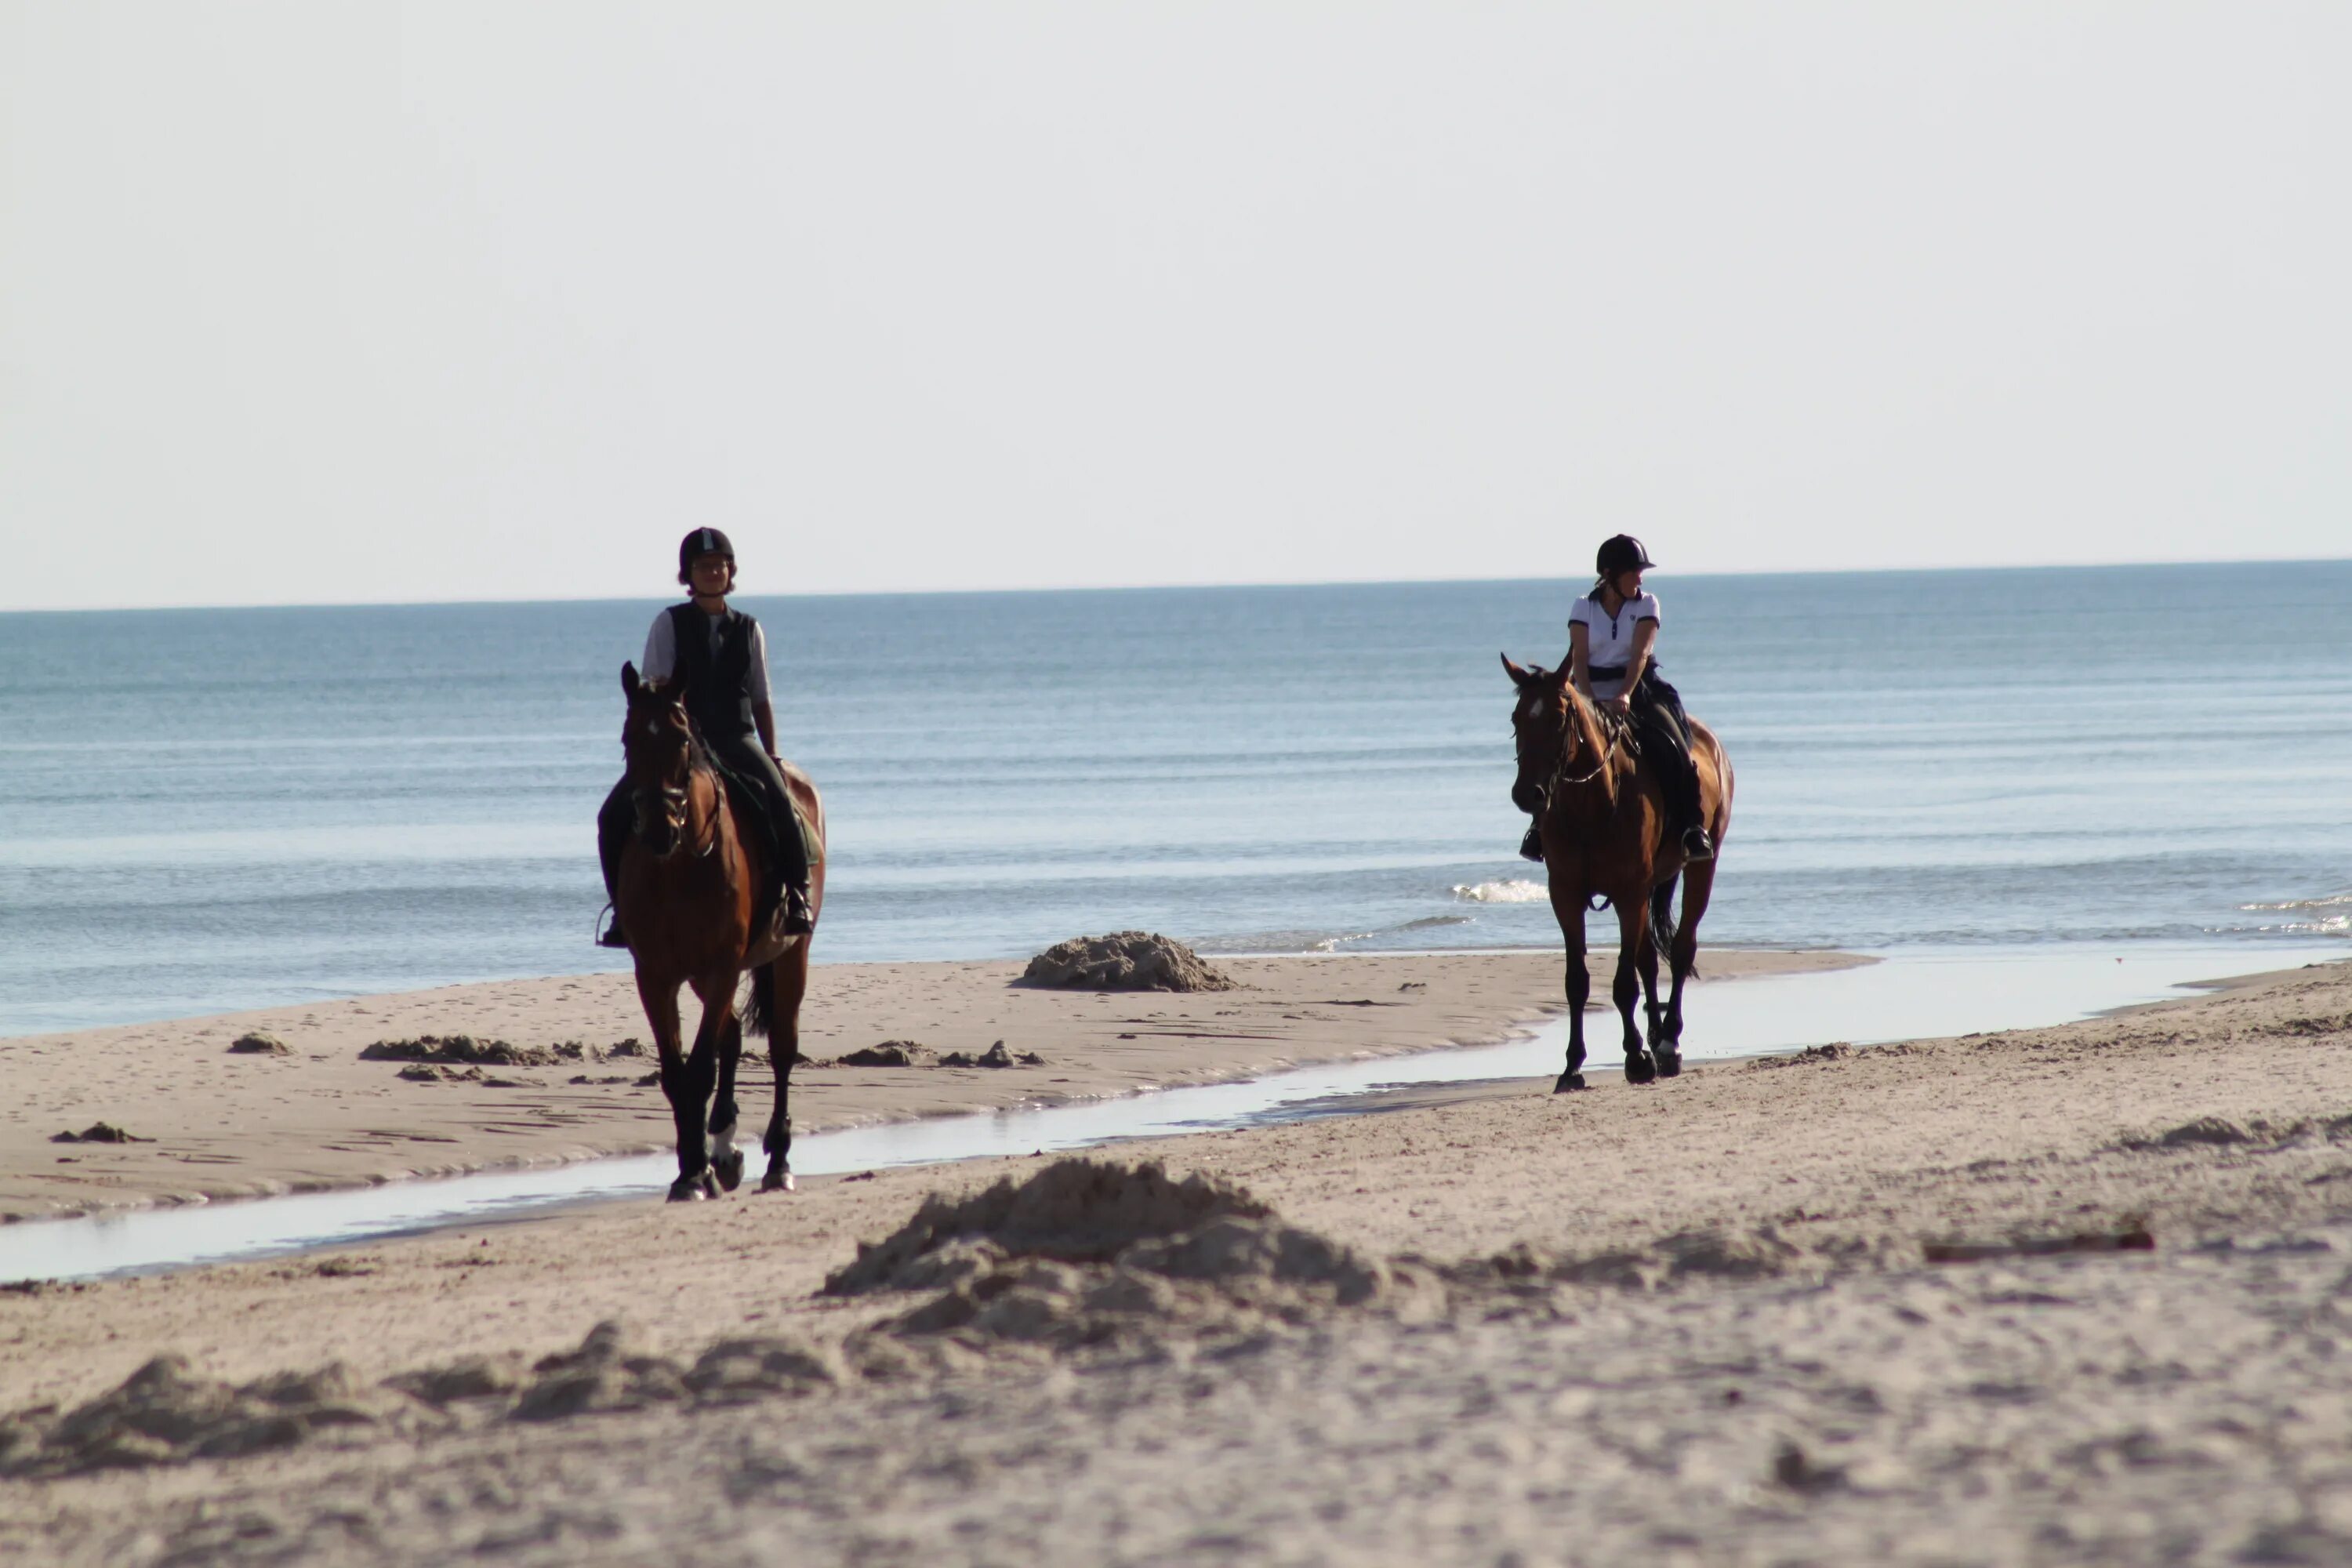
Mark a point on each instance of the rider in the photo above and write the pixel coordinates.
(723, 655)
(1610, 633)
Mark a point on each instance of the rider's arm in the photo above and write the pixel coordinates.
(661, 651)
(1580, 656)
(1645, 637)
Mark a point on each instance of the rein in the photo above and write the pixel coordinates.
(1571, 736)
(677, 804)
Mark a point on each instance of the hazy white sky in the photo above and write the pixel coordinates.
(312, 302)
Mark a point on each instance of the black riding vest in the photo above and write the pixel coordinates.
(717, 686)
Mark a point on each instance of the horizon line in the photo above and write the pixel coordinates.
(1163, 587)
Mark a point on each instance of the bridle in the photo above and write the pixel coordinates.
(676, 801)
(1571, 743)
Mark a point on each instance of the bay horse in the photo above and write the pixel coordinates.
(689, 879)
(1602, 818)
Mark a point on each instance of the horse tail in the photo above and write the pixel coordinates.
(1662, 915)
(760, 1012)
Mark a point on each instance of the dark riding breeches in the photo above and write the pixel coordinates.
(1664, 731)
(786, 855)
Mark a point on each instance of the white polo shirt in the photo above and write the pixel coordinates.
(661, 654)
(1610, 638)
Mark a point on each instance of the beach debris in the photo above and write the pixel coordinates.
(259, 1043)
(1123, 960)
(1797, 1470)
(163, 1413)
(607, 1077)
(433, 1072)
(1414, 986)
(996, 1055)
(464, 1050)
(2134, 1238)
(1812, 1056)
(631, 1047)
(888, 1054)
(98, 1133)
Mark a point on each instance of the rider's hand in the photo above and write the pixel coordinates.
(1620, 703)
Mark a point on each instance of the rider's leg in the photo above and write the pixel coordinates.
(788, 851)
(615, 820)
(1660, 711)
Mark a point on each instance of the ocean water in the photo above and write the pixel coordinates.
(214, 809)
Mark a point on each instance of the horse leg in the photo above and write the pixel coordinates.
(1699, 882)
(688, 1084)
(1647, 966)
(1632, 915)
(1567, 905)
(726, 1160)
(788, 978)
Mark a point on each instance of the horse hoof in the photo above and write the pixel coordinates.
(1568, 1080)
(778, 1182)
(694, 1189)
(1670, 1064)
(728, 1169)
(1639, 1067)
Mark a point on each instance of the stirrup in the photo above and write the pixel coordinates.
(798, 922)
(1697, 845)
(612, 936)
(1531, 847)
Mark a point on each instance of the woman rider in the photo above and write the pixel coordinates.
(1611, 632)
(723, 655)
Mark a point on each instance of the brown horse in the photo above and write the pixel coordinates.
(688, 881)
(1602, 818)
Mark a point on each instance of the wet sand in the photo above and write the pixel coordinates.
(2071, 1294)
(213, 1123)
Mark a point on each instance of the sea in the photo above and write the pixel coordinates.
(209, 810)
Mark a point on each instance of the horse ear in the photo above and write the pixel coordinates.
(1518, 677)
(629, 680)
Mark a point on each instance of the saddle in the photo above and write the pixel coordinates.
(750, 804)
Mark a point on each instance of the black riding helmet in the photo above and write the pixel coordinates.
(1622, 552)
(702, 541)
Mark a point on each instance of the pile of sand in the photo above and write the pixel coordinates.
(1089, 1253)
(464, 1050)
(162, 1415)
(1123, 960)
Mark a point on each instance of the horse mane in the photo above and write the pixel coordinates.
(1594, 723)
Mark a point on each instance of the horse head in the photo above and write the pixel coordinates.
(658, 742)
(1537, 725)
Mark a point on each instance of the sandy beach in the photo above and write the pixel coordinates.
(571, 1082)
(2061, 1295)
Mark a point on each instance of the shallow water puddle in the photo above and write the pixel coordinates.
(1906, 995)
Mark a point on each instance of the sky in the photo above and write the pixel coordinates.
(320, 302)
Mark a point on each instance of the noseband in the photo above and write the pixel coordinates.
(675, 803)
(1571, 743)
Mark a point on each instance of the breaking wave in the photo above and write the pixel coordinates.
(1516, 891)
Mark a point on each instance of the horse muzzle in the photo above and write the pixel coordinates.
(1527, 798)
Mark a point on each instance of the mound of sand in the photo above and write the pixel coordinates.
(1073, 1211)
(1088, 1253)
(162, 1415)
(1123, 960)
(464, 1050)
